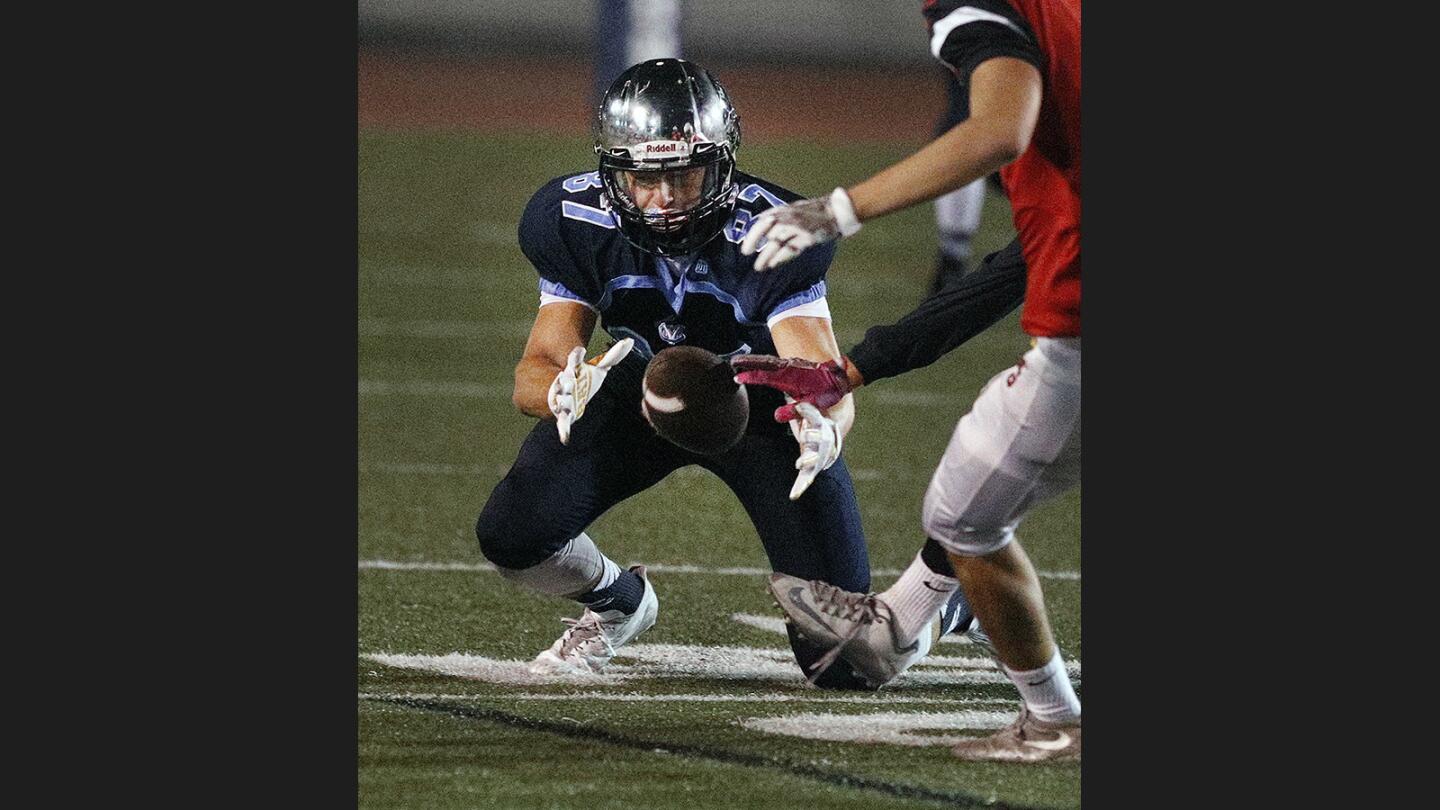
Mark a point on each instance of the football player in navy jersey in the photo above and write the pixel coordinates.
(649, 246)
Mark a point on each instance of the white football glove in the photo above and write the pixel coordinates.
(577, 383)
(793, 228)
(819, 438)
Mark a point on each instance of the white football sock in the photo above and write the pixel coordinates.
(1047, 691)
(576, 569)
(917, 597)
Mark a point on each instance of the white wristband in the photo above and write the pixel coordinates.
(844, 212)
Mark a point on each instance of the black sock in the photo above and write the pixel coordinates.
(934, 556)
(623, 594)
(956, 616)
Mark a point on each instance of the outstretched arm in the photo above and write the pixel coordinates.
(1004, 106)
(939, 324)
(1005, 97)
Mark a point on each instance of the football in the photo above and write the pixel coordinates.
(691, 398)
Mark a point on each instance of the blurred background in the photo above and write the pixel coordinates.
(832, 69)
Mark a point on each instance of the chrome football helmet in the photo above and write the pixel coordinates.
(667, 135)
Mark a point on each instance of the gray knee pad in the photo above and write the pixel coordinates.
(570, 572)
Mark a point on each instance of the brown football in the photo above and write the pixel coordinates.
(691, 398)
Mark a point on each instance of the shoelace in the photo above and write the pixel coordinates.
(855, 607)
(859, 608)
(1019, 724)
(584, 630)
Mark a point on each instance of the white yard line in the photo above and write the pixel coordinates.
(658, 662)
(379, 327)
(772, 624)
(470, 470)
(464, 388)
(661, 568)
(436, 388)
(638, 697)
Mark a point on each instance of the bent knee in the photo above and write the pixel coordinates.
(515, 538)
(961, 533)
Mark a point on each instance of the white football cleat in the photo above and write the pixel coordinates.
(857, 627)
(587, 647)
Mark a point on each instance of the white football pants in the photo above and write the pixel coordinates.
(1018, 446)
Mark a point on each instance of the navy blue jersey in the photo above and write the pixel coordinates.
(712, 299)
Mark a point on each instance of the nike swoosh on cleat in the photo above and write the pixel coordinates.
(1050, 745)
(795, 600)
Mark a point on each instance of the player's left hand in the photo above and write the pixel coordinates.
(820, 440)
(577, 383)
(793, 228)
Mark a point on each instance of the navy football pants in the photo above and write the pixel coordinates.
(554, 491)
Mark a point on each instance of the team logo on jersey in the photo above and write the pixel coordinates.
(671, 333)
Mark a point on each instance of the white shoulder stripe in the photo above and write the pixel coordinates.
(961, 16)
(548, 298)
(818, 308)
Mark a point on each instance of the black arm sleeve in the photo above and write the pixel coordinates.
(944, 320)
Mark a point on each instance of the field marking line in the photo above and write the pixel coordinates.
(657, 662)
(595, 733)
(663, 568)
(772, 624)
(474, 390)
(384, 327)
(640, 697)
(474, 470)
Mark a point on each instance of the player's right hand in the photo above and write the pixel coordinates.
(820, 384)
(820, 443)
(577, 383)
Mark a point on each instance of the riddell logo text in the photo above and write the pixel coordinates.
(653, 148)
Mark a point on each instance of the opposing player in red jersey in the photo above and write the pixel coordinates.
(1020, 442)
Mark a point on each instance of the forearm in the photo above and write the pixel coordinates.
(558, 328)
(961, 156)
(533, 376)
(813, 339)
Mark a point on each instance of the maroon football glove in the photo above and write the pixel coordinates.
(820, 384)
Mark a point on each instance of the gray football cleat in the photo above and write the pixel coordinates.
(587, 647)
(859, 628)
(1028, 739)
